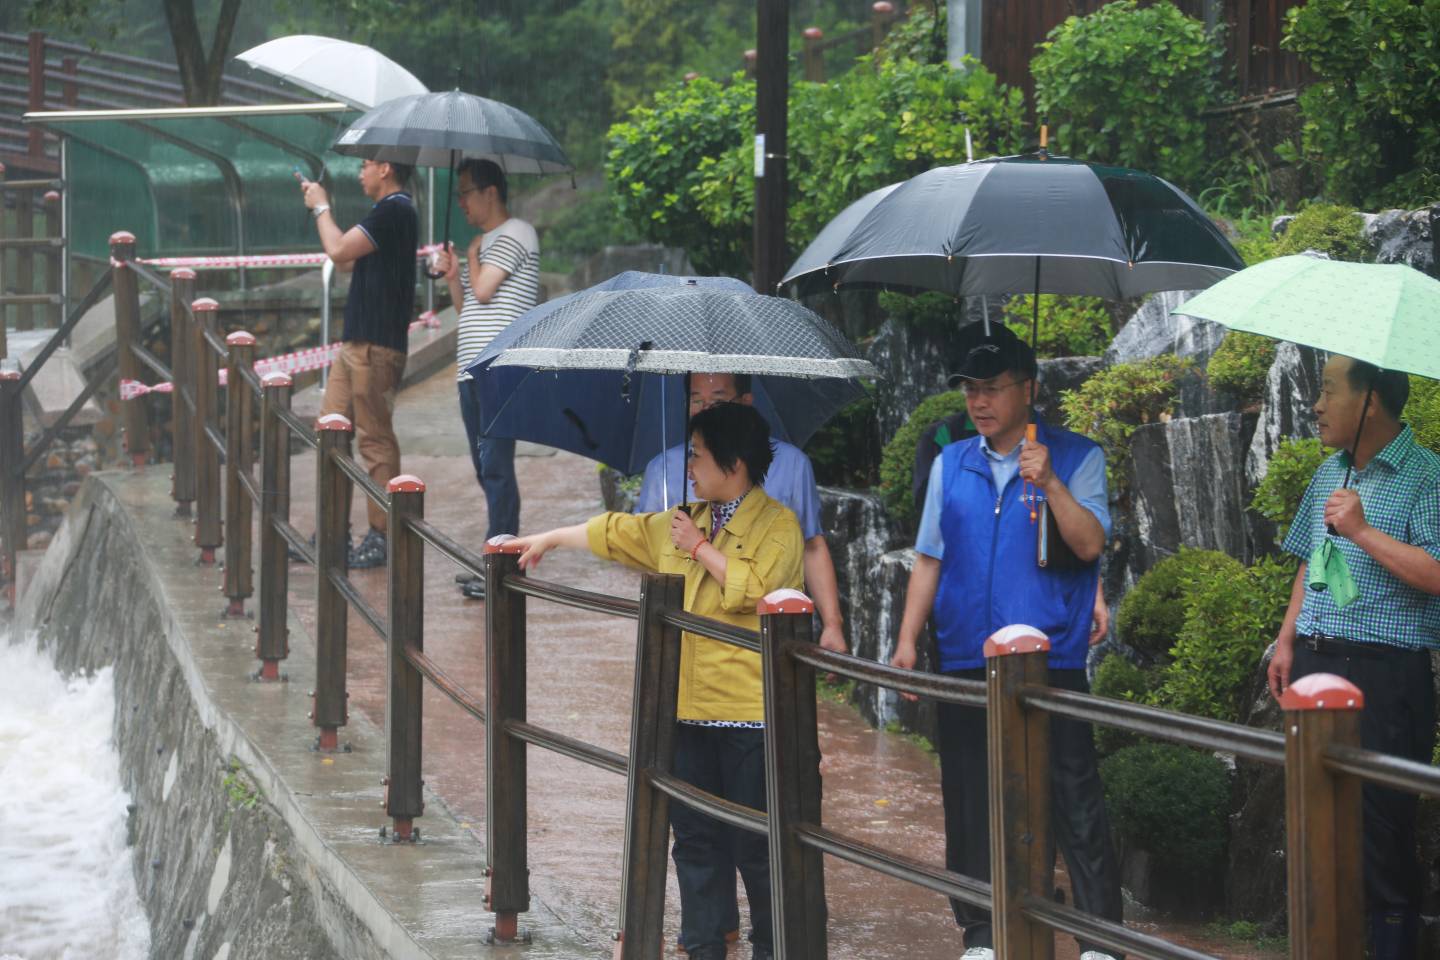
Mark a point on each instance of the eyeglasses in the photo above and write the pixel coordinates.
(464, 192)
(988, 390)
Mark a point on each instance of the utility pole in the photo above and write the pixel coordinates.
(772, 94)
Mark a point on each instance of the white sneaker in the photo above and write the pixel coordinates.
(978, 953)
(1095, 955)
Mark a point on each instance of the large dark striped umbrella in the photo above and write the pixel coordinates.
(1015, 225)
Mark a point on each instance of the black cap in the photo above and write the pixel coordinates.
(988, 356)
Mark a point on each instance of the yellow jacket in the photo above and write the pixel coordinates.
(764, 551)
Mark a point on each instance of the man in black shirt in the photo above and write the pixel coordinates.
(363, 381)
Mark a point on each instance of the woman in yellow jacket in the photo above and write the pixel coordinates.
(739, 546)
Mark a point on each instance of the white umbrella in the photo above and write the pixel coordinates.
(349, 72)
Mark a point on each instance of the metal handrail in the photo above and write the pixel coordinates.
(363, 480)
(341, 581)
(96, 293)
(1383, 769)
(713, 629)
(968, 693)
(1105, 933)
(734, 814)
(942, 881)
(433, 672)
(156, 365)
(573, 597)
(298, 427)
(569, 746)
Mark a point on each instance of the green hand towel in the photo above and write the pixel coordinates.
(1329, 571)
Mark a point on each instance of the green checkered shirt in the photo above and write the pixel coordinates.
(1400, 491)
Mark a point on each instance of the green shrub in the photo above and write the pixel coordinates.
(1240, 364)
(1129, 85)
(1422, 411)
(1152, 613)
(1069, 326)
(920, 36)
(587, 227)
(1254, 241)
(845, 452)
(683, 170)
(1328, 228)
(1288, 473)
(1372, 112)
(1110, 405)
(1171, 801)
(1230, 620)
(1119, 679)
(926, 311)
(897, 463)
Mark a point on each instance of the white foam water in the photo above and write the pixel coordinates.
(67, 886)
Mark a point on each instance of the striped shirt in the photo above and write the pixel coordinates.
(1400, 493)
(514, 248)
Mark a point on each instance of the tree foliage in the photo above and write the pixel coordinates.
(1128, 85)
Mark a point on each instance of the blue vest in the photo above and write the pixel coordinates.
(988, 575)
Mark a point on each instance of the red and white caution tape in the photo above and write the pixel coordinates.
(265, 260)
(298, 362)
(130, 389)
(426, 319)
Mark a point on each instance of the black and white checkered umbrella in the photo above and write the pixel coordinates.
(684, 329)
(441, 129)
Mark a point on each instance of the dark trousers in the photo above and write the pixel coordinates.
(1399, 719)
(1077, 808)
(494, 462)
(728, 762)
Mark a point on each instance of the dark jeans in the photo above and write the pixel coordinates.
(494, 460)
(1077, 808)
(1399, 718)
(729, 763)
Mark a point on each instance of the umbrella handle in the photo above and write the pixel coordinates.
(1030, 435)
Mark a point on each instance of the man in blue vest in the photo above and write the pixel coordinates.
(975, 572)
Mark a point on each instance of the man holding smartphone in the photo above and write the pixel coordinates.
(379, 252)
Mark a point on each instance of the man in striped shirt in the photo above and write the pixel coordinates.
(497, 280)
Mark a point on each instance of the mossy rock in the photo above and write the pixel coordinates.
(897, 463)
(1239, 366)
(1329, 228)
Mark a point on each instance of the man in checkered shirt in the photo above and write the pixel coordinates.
(1387, 526)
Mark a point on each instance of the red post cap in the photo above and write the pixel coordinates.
(1016, 638)
(814, 33)
(277, 378)
(405, 483)
(121, 236)
(751, 55)
(691, 76)
(784, 601)
(883, 6)
(332, 421)
(240, 338)
(182, 273)
(52, 196)
(204, 304)
(9, 369)
(504, 543)
(1322, 691)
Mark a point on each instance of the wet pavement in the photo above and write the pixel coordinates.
(879, 787)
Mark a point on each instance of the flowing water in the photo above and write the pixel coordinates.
(67, 887)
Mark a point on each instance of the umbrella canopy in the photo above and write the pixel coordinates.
(1028, 224)
(623, 416)
(349, 72)
(440, 129)
(1384, 314)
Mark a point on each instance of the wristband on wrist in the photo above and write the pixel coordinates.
(695, 550)
(319, 210)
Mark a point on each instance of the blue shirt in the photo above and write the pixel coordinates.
(1400, 493)
(790, 480)
(1087, 486)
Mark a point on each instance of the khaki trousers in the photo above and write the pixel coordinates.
(362, 386)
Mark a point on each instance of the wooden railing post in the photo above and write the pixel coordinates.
(272, 638)
(792, 778)
(238, 439)
(332, 548)
(882, 14)
(206, 366)
(133, 416)
(812, 56)
(25, 258)
(182, 430)
(404, 790)
(1021, 859)
(12, 480)
(652, 748)
(507, 875)
(36, 144)
(55, 313)
(1322, 820)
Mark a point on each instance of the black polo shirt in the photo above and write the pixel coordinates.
(381, 303)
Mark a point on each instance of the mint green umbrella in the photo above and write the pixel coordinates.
(1385, 314)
